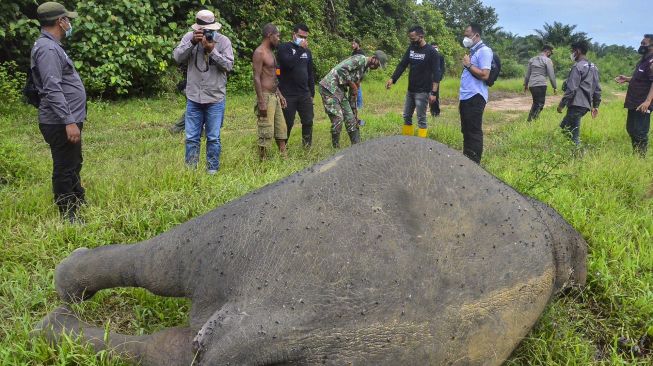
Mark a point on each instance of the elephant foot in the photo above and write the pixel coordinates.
(71, 283)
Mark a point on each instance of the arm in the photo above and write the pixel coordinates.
(435, 71)
(223, 54)
(573, 82)
(596, 96)
(482, 71)
(182, 52)
(647, 103)
(401, 67)
(551, 72)
(287, 59)
(528, 74)
(50, 68)
(311, 75)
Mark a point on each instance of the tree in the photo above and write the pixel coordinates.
(559, 34)
(459, 13)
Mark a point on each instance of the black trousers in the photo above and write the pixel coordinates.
(66, 167)
(539, 98)
(435, 106)
(302, 105)
(638, 125)
(471, 125)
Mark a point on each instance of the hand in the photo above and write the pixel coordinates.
(560, 108)
(644, 106)
(73, 133)
(283, 101)
(198, 36)
(467, 61)
(208, 46)
(621, 79)
(432, 99)
(525, 88)
(262, 112)
(388, 84)
(595, 112)
(304, 44)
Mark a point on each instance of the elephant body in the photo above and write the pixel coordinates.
(397, 251)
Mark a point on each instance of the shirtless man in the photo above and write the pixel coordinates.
(269, 99)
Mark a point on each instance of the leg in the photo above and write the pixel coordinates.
(409, 109)
(533, 105)
(571, 123)
(351, 123)
(180, 125)
(638, 125)
(539, 100)
(167, 348)
(214, 115)
(471, 116)
(289, 113)
(421, 103)
(280, 128)
(66, 165)
(194, 123)
(265, 127)
(332, 107)
(306, 114)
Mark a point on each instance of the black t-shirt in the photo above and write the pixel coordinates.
(296, 76)
(424, 68)
(640, 84)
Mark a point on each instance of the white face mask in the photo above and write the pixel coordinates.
(573, 57)
(468, 42)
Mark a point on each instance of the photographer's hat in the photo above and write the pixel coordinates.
(52, 10)
(206, 20)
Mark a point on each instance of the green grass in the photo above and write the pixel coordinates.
(138, 187)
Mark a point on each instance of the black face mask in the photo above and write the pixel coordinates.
(643, 50)
(416, 43)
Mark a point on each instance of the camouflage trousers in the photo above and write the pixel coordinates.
(338, 107)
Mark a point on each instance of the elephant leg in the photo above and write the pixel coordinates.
(157, 268)
(169, 347)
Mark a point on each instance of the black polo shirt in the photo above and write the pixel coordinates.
(640, 84)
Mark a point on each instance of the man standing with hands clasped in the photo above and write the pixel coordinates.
(62, 107)
(209, 57)
(639, 97)
(422, 80)
(474, 91)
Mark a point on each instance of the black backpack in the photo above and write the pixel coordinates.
(495, 70)
(30, 92)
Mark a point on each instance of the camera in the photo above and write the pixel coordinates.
(209, 34)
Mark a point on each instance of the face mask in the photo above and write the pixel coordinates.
(468, 42)
(642, 50)
(572, 56)
(416, 43)
(69, 31)
(299, 40)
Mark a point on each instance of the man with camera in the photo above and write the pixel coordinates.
(62, 106)
(209, 57)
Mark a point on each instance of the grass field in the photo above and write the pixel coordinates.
(138, 187)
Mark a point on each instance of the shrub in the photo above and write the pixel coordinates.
(11, 83)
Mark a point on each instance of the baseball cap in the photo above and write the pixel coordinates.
(52, 10)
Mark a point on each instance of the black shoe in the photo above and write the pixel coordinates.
(335, 141)
(307, 136)
(354, 136)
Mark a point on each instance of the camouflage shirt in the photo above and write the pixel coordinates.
(350, 70)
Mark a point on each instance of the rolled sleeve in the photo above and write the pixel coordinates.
(50, 68)
(183, 50)
(223, 55)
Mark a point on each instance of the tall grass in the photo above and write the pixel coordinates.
(138, 187)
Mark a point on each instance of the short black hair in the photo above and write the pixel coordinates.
(476, 28)
(417, 29)
(582, 45)
(356, 40)
(547, 47)
(269, 29)
(649, 36)
(300, 26)
(48, 23)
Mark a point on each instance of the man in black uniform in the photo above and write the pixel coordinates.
(435, 106)
(297, 81)
(422, 84)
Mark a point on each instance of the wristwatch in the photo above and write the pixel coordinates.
(433, 93)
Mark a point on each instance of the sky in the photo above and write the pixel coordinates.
(621, 22)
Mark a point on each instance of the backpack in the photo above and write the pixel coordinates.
(30, 92)
(495, 70)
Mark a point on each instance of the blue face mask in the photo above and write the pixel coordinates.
(299, 40)
(69, 31)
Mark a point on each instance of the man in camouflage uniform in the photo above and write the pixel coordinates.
(334, 86)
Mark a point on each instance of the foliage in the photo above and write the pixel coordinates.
(559, 34)
(11, 82)
(460, 13)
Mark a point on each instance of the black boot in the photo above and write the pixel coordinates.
(335, 140)
(354, 136)
(307, 135)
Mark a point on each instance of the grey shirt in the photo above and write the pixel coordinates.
(586, 94)
(205, 85)
(63, 97)
(539, 68)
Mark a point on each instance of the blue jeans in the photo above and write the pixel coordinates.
(209, 116)
(359, 99)
(419, 102)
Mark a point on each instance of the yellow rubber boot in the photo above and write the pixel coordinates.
(421, 132)
(408, 130)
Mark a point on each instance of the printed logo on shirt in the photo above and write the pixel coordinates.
(293, 51)
(304, 55)
(417, 56)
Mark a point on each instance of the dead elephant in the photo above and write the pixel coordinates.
(398, 251)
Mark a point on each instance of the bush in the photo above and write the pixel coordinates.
(11, 83)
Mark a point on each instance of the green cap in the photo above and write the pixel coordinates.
(382, 57)
(53, 10)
